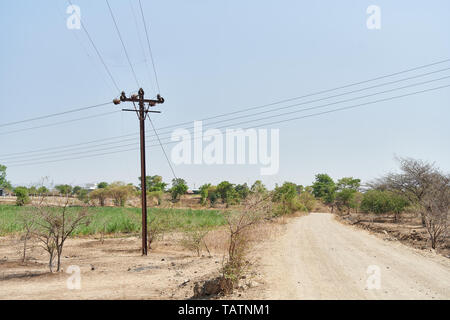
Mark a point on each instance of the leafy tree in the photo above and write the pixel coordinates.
(100, 194)
(258, 187)
(325, 189)
(120, 192)
(227, 192)
(102, 185)
(4, 184)
(42, 190)
(64, 189)
(300, 188)
(76, 190)
(213, 195)
(383, 201)
(323, 185)
(242, 190)
(346, 189)
(82, 195)
(285, 196)
(32, 191)
(204, 192)
(179, 187)
(22, 197)
(307, 200)
(154, 183)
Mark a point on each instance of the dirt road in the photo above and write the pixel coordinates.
(320, 258)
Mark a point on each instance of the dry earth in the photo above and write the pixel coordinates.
(112, 270)
(309, 257)
(320, 258)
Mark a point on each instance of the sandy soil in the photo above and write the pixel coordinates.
(320, 258)
(309, 257)
(112, 270)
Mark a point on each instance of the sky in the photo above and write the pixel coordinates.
(215, 57)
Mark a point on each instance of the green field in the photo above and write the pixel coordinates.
(121, 220)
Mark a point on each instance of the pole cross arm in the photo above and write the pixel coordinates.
(137, 98)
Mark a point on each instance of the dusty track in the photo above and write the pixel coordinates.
(320, 258)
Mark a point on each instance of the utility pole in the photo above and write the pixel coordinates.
(142, 113)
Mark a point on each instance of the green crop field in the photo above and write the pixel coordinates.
(121, 220)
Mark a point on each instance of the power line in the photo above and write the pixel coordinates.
(60, 122)
(96, 50)
(163, 150)
(20, 163)
(149, 46)
(263, 112)
(141, 45)
(91, 59)
(254, 107)
(123, 44)
(56, 114)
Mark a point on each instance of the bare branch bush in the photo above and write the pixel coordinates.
(256, 208)
(412, 182)
(54, 224)
(155, 230)
(435, 207)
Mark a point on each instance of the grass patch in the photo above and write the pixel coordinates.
(122, 220)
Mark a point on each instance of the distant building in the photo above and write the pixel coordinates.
(90, 186)
(1, 192)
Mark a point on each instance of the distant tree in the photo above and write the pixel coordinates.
(42, 190)
(83, 195)
(102, 185)
(179, 187)
(415, 178)
(383, 201)
(306, 200)
(4, 184)
(99, 194)
(64, 189)
(242, 191)
(258, 187)
(322, 185)
(285, 196)
(120, 192)
(204, 192)
(22, 197)
(325, 189)
(76, 190)
(154, 183)
(346, 189)
(300, 188)
(32, 191)
(213, 195)
(227, 192)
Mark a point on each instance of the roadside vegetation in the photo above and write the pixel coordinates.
(415, 199)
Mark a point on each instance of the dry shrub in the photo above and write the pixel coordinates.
(217, 240)
(53, 225)
(255, 209)
(194, 240)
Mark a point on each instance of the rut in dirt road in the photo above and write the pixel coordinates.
(320, 258)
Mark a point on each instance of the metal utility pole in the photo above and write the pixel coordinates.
(142, 113)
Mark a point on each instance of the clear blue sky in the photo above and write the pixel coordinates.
(221, 56)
